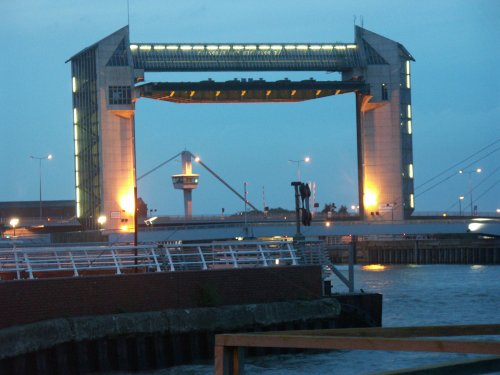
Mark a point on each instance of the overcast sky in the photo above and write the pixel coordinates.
(455, 95)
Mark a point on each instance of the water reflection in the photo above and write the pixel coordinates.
(373, 267)
(414, 295)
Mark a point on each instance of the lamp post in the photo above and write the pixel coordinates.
(460, 199)
(306, 159)
(101, 220)
(246, 201)
(470, 173)
(40, 158)
(13, 223)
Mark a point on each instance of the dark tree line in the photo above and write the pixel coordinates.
(331, 207)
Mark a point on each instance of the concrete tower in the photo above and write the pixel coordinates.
(103, 123)
(187, 181)
(384, 128)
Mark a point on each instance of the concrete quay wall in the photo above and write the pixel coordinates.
(28, 301)
(146, 340)
(421, 251)
(155, 320)
(159, 339)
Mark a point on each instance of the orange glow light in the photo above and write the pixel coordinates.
(373, 267)
(127, 203)
(370, 199)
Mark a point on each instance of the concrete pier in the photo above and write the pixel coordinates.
(152, 340)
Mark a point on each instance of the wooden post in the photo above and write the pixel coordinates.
(229, 360)
(229, 347)
(219, 360)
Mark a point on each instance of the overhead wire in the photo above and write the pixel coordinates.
(158, 167)
(204, 166)
(454, 173)
(475, 188)
(456, 165)
(487, 190)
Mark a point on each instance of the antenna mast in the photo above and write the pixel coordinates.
(128, 13)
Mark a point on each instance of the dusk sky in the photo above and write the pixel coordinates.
(455, 97)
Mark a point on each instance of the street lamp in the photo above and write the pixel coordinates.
(477, 170)
(460, 199)
(40, 158)
(306, 159)
(13, 223)
(102, 220)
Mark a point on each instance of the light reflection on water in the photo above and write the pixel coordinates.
(373, 267)
(413, 296)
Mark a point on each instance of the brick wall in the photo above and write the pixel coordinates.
(26, 301)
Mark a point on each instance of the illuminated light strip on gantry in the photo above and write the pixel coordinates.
(247, 91)
(245, 57)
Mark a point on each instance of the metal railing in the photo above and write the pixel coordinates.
(315, 252)
(22, 263)
(41, 262)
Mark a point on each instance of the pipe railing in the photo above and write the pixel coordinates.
(30, 263)
(38, 262)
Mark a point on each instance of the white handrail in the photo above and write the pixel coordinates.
(53, 261)
(73, 264)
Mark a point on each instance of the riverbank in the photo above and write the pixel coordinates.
(414, 295)
(159, 339)
(149, 320)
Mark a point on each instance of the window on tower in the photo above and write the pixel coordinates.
(119, 95)
(385, 94)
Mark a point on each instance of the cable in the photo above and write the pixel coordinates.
(486, 191)
(457, 164)
(454, 173)
(208, 169)
(224, 182)
(433, 186)
(484, 157)
(485, 179)
(158, 166)
(476, 186)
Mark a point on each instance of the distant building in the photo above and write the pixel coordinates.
(63, 209)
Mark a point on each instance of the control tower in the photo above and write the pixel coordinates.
(186, 181)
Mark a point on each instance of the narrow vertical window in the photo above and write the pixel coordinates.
(407, 74)
(78, 208)
(76, 147)
(412, 201)
(385, 95)
(410, 170)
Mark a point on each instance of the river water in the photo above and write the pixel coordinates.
(412, 296)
